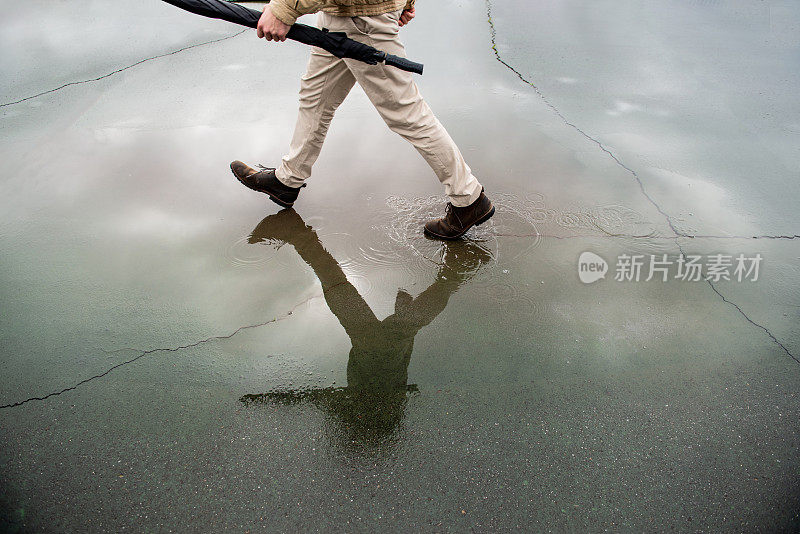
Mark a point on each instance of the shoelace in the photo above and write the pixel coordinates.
(449, 210)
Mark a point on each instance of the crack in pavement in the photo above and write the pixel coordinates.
(781, 345)
(122, 69)
(143, 353)
(570, 124)
(602, 147)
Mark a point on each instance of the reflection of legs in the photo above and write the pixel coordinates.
(419, 312)
(343, 299)
(396, 97)
(461, 262)
(323, 88)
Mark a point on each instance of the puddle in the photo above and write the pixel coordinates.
(477, 385)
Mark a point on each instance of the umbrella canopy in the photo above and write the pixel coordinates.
(337, 43)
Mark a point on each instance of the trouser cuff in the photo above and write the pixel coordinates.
(286, 178)
(464, 200)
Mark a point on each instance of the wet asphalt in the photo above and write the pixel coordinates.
(179, 355)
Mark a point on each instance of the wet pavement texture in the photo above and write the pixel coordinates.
(178, 355)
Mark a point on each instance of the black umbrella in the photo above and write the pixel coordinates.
(337, 43)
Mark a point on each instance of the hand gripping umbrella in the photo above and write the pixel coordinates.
(337, 43)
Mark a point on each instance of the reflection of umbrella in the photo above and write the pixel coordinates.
(337, 43)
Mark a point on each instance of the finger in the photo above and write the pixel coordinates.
(259, 33)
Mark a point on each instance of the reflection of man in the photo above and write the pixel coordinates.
(393, 92)
(371, 406)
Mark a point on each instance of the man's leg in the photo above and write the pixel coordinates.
(322, 89)
(399, 102)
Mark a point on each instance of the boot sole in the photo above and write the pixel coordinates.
(480, 221)
(272, 197)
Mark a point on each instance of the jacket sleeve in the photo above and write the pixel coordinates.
(288, 11)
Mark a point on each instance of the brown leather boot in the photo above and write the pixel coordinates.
(457, 221)
(265, 181)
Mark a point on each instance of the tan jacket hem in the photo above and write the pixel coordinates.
(367, 10)
(288, 11)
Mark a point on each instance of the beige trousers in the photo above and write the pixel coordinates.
(394, 94)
